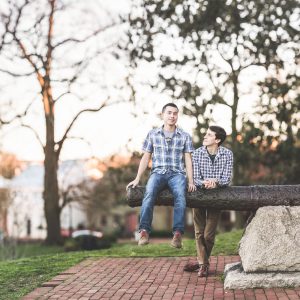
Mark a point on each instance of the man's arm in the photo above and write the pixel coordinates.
(225, 178)
(189, 171)
(198, 180)
(142, 167)
(227, 173)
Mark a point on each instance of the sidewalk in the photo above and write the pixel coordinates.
(148, 278)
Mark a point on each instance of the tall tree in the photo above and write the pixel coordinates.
(54, 47)
(276, 132)
(204, 50)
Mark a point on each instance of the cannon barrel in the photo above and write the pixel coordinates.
(227, 198)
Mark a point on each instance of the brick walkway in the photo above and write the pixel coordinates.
(148, 278)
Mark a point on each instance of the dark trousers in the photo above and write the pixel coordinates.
(205, 224)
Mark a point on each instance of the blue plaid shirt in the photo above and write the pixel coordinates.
(220, 169)
(168, 156)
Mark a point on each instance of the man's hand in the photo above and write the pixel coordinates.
(142, 167)
(133, 183)
(210, 183)
(189, 172)
(191, 187)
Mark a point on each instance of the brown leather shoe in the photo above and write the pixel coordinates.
(203, 271)
(191, 267)
(177, 240)
(144, 238)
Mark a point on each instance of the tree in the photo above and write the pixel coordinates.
(118, 176)
(275, 135)
(53, 47)
(110, 189)
(205, 49)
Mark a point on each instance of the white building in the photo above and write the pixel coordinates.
(4, 203)
(25, 216)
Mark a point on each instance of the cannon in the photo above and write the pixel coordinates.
(239, 198)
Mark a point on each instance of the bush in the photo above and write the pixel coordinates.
(89, 242)
(71, 245)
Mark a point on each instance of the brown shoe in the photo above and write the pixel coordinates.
(177, 240)
(144, 238)
(191, 267)
(203, 271)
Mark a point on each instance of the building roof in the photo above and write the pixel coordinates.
(70, 172)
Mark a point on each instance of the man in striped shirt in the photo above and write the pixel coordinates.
(169, 148)
(212, 166)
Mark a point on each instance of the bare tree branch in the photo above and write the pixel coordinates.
(74, 192)
(29, 59)
(60, 143)
(18, 116)
(16, 74)
(217, 90)
(81, 66)
(96, 32)
(104, 104)
(35, 133)
(257, 64)
(49, 39)
(39, 21)
(19, 42)
(66, 198)
(6, 26)
(19, 10)
(62, 95)
(229, 61)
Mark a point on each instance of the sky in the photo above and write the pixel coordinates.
(105, 133)
(113, 130)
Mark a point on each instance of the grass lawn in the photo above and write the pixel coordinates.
(19, 277)
(27, 250)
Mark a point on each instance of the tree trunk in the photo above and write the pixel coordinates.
(238, 198)
(51, 198)
(240, 217)
(51, 191)
(234, 108)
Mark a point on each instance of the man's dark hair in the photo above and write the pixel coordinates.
(169, 104)
(220, 133)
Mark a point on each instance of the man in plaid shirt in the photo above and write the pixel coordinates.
(169, 147)
(212, 166)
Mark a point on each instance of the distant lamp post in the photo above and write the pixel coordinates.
(70, 220)
(41, 229)
(28, 227)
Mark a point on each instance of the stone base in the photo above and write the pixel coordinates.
(236, 278)
(271, 242)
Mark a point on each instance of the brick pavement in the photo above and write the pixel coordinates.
(148, 278)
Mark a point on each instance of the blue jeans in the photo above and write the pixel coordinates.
(156, 183)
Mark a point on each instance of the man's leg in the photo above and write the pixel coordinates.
(199, 216)
(177, 185)
(210, 229)
(155, 184)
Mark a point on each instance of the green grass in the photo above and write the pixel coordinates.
(19, 277)
(27, 250)
(227, 243)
